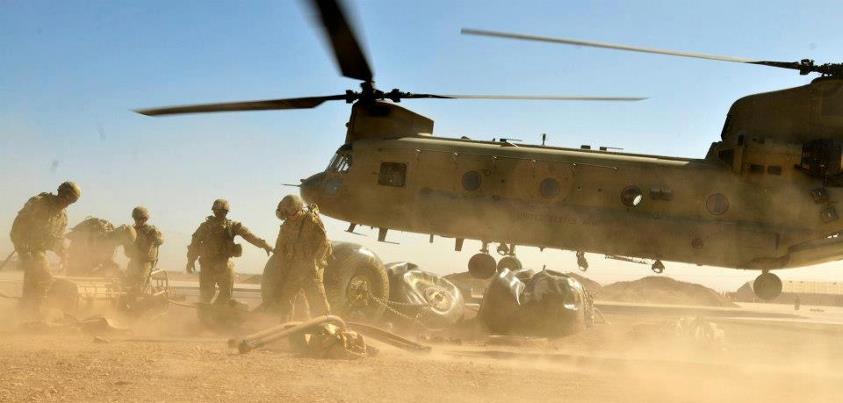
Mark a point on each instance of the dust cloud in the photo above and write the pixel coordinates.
(633, 356)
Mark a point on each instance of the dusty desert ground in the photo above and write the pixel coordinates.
(636, 357)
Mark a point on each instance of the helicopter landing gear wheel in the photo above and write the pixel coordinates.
(510, 263)
(482, 265)
(767, 286)
(657, 267)
(582, 263)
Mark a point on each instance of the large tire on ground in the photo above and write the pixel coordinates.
(500, 305)
(767, 286)
(537, 304)
(356, 283)
(435, 301)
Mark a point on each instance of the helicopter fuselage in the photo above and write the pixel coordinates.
(764, 197)
(687, 210)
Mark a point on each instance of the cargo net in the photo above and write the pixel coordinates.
(72, 293)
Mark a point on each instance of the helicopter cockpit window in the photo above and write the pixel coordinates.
(340, 163)
(392, 174)
(631, 196)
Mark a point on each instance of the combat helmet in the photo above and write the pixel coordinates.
(140, 212)
(289, 205)
(220, 204)
(69, 191)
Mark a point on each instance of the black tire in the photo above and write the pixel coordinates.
(482, 266)
(509, 262)
(767, 286)
(353, 275)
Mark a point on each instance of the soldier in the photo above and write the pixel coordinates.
(213, 244)
(39, 227)
(302, 248)
(143, 253)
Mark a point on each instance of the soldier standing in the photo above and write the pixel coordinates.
(143, 253)
(213, 244)
(302, 249)
(39, 227)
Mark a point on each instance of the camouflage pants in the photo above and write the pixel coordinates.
(216, 274)
(36, 280)
(136, 277)
(305, 276)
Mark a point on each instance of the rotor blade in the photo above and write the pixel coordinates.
(347, 51)
(525, 97)
(604, 45)
(271, 104)
(803, 66)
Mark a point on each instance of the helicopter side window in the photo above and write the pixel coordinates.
(392, 174)
(549, 188)
(471, 180)
(717, 204)
(631, 196)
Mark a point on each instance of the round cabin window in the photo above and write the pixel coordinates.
(631, 196)
(549, 188)
(471, 180)
(717, 204)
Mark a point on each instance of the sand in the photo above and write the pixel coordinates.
(631, 359)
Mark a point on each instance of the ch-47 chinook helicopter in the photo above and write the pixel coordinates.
(763, 198)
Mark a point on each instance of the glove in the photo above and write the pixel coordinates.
(191, 267)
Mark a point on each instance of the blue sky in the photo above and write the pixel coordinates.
(71, 71)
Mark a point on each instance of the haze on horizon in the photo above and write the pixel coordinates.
(71, 72)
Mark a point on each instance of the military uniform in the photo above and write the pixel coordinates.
(143, 256)
(302, 248)
(213, 244)
(39, 227)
